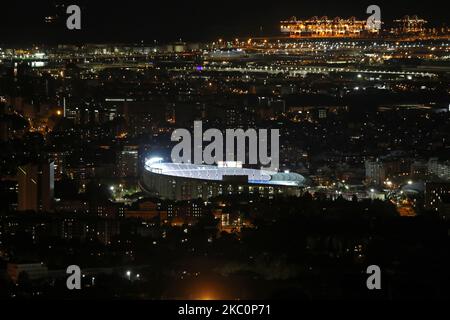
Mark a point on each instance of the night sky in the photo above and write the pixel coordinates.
(195, 20)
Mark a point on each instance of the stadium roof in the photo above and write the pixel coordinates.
(207, 172)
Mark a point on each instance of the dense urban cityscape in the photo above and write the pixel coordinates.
(363, 114)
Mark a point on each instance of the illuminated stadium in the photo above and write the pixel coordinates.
(184, 181)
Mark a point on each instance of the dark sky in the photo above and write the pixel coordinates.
(197, 20)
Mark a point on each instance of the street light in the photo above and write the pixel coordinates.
(129, 274)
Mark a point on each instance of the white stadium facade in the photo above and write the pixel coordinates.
(185, 181)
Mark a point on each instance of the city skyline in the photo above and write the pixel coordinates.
(281, 151)
(44, 23)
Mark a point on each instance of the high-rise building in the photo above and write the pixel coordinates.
(128, 162)
(60, 160)
(439, 169)
(375, 172)
(419, 169)
(36, 187)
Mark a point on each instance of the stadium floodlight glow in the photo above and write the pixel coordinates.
(154, 160)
